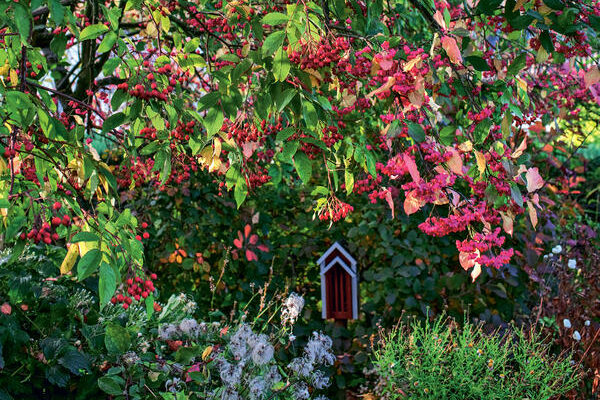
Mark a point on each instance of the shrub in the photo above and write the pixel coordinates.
(438, 360)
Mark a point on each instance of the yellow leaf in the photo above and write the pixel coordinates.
(481, 162)
(70, 258)
(14, 78)
(206, 353)
(411, 64)
(5, 69)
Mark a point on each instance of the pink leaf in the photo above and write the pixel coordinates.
(439, 18)
(237, 243)
(532, 214)
(386, 63)
(412, 204)
(467, 260)
(390, 201)
(534, 180)
(247, 230)
(411, 167)
(455, 163)
(476, 271)
(253, 239)
(591, 77)
(263, 248)
(449, 44)
(251, 256)
(507, 223)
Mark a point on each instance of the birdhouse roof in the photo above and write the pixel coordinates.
(335, 249)
(338, 260)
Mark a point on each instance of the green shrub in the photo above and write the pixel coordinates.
(438, 360)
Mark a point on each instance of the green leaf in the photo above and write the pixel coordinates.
(57, 11)
(275, 18)
(116, 339)
(92, 31)
(107, 283)
(517, 65)
(240, 192)
(303, 167)
(273, 42)
(23, 20)
(281, 65)
(285, 134)
(488, 6)
(310, 115)
(108, 42)
(478, 63)
(113, 121)
(89, 263)
(74, 361)
(481, 132)
(110, 384)
(447, 135)
(349, 179)
(416, 131)
(156, 118)
(213, 121)
(288, 151)
(84, 237)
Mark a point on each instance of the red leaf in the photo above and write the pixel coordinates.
(247, 230)
(251, 256)
(237, 243)
(449, 44)
(263, 248)
(253, 239)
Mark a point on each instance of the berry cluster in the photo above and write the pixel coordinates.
(46, 233)
(137, 289)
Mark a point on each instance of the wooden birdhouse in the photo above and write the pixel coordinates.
(339, 284)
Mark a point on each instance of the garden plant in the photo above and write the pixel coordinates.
(171, 170)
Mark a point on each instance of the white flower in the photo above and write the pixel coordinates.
(257, 387)
(576, 336)
(319, 380)
(587, 322)
(292, 337)
(572, 263)
(167, 331)
(318, 349)
(557, 249)
(188, 326)
(230, 394)
(302, 366)
(566, 323)
(262, 352)
(301, 391)
(291, 308)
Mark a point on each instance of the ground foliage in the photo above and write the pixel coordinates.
(428, 135)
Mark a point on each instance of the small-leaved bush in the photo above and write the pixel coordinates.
(439, 360)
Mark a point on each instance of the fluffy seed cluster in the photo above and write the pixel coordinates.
(291, 308)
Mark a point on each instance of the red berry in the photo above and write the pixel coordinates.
(153, 276)
(146, 235)
(138, 237)
(125, 306)
(56, 221)
(56, 206)
(144, 225)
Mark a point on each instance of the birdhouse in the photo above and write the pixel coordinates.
(339, 284)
